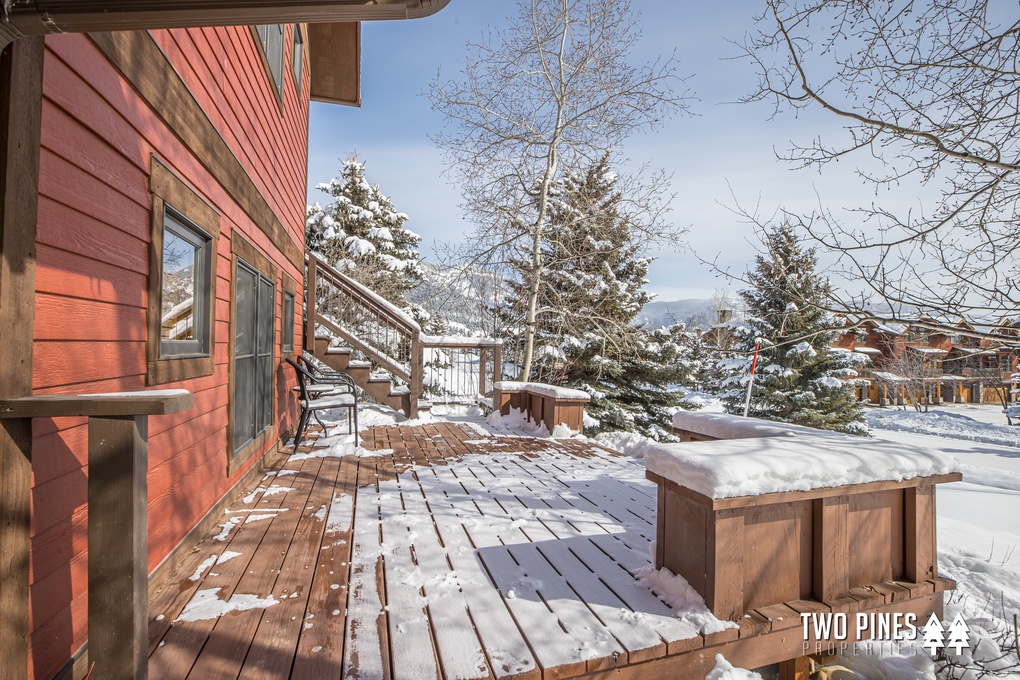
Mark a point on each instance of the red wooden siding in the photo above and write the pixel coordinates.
(93, 239)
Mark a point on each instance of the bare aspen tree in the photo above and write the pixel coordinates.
(930, 89)
(549, 94)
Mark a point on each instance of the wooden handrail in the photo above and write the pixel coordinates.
(118, 509)
(382, 332)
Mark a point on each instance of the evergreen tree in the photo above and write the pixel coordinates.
(361, 233)
(800, 378)
(586, 335)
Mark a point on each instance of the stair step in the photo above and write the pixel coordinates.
(339, 350)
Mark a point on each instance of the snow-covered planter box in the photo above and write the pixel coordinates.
(785, 515)
(546, 405)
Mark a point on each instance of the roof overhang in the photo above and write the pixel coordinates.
(37, 17)
(334, 57)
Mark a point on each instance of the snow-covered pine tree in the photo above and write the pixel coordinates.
(593, 289)
(362, 234)
(800, 378)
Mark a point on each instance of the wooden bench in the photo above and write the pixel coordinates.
(546, 405)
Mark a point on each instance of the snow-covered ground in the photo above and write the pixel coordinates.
(978, 518)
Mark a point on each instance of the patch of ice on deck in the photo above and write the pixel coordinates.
(227, 527)
(338, 447)
(227, 556)
(724, 670)
(202, 568)
(207, 605)
(320, 514)
(341, 512)
(258, 516)
(688, 604)
(266, 492)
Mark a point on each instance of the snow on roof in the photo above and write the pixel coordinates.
(793, 459)
(867, 350)
(887, 377)
(927, 350)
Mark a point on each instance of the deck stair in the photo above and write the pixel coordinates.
(378, 384)
(350, 328)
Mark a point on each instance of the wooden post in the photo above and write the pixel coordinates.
(417, 373)
(481, 370)
(21, 65)
(497, 363)
(795, 669)
(831, 541)
(311, 304)
(725, 562)
(919, 516)
(119, 547)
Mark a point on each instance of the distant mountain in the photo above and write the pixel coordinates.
(463, 297)
(663, 313)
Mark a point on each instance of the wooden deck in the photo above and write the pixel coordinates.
(452, 554)
(363, 591)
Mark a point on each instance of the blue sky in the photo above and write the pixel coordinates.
(725, 151)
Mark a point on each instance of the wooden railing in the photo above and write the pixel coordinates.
(456, 369)
(375, 328)
(460, 369)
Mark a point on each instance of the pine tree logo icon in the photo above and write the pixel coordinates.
(934, 639)
(959, 635)
(935, 635)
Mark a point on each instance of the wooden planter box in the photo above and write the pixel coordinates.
(825, 544)
(543, 404)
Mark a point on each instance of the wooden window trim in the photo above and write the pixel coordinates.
(277, 91)
(288, 285)
(240, 249)
(168, 189)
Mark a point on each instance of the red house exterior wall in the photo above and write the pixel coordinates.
(98, 135)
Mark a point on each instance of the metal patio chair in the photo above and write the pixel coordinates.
(339, 392)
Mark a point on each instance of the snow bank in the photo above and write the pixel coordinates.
(944, 423)
(747, 467)
(688, 604)
(888, 660)
(724, 670)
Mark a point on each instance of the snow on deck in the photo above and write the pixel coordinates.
(437, 550)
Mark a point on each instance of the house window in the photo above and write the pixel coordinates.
(861, 336)
(254, 332)
(185, 291)
(271, 39)
(287, 333)
(182, 255)
(297, 57)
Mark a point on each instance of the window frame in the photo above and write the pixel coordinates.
(297, 57)
(288, 290)
(247, 255)
(263, 47)
(184, 229)
(170, 195)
